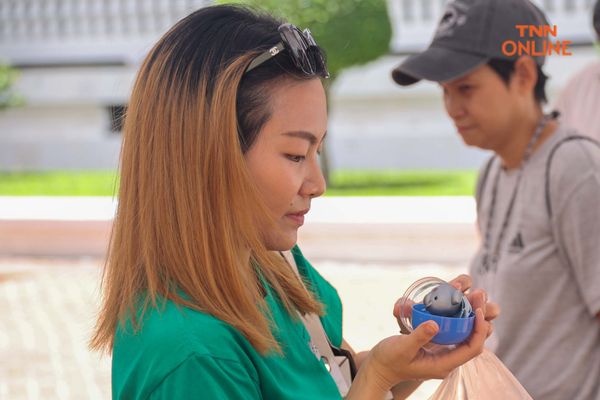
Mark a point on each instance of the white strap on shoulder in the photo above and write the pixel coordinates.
(320, 341)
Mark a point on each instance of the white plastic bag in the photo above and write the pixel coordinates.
(482, 378)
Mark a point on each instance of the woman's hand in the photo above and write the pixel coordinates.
(402, 358)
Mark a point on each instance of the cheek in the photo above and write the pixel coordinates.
(486, 110)
(278, 187)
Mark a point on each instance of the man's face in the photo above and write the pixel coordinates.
(482, 107)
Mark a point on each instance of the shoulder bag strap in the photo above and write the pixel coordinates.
(549, 163)
(320, 341)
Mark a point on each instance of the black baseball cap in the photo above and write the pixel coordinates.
(470, 33)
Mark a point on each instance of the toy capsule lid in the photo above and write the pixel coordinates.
(414, 295)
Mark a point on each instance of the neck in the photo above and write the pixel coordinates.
(513, 151)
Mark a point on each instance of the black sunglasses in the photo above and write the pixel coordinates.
(302, 48)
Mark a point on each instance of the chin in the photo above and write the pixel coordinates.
(473, 142)
(282, 241)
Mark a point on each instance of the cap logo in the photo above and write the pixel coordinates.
(535, 42)
(455, 15)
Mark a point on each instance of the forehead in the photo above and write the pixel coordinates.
(481, 74)
(298, 106)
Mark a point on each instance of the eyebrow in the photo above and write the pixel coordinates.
(304, 135)
(456, 82)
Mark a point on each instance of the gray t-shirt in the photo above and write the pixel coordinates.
(547, 280)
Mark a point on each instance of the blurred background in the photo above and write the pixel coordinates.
(399, 204)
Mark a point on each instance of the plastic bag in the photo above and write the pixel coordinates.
(482, 378)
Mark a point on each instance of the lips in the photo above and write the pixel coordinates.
(297, 217)
(464, 128)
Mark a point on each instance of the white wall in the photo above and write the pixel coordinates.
(374, 124)
(65, 123)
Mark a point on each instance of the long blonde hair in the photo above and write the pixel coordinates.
(188, 210)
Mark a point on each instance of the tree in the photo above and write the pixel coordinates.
(7, 97)
(352, 32)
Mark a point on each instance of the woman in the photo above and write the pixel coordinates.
(219, 166)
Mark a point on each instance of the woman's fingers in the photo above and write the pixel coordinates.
(478, 299)
(405, 305)
(403, 357)
(420, 337)
(445, 363)
(492, 310)
(403, 309)
(474, 345)
(462, 282)
(490, 331)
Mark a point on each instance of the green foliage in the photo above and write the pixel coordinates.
(59, 183)
(7, 98)
(402, 183)
(344, 183)
(352, 32)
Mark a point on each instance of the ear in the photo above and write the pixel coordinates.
(427, 300)
(456, 297)
(525, 75)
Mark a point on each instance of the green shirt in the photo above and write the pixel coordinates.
(181, 353)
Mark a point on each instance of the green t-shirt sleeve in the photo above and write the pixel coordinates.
(327, 294)
(207, 377)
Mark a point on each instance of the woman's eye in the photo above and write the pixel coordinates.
(295, 158)
(465, 88)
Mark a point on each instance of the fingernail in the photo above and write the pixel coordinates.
(431, 328)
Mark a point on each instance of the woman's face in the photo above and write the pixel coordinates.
(283, 159)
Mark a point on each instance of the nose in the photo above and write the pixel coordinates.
(314, 185)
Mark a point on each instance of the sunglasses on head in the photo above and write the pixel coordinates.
(302, 49)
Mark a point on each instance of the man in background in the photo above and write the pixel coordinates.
(537, 196)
